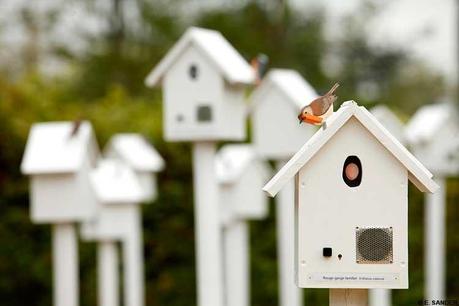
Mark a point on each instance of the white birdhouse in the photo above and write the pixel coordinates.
(390, 121)
(119, 193)
(275, 104)
(203, 79)
(141, 156)
(58, 158)
(241, 175)
(351, 199)
(433, 136)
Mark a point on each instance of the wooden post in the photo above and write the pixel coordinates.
(348, 297)
(435, 242)
(290, 294)
(65, 264)
(207, 226)
(380, 297)
(133, 263)
(236, 243)
(108, 273)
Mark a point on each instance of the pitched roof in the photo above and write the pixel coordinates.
(427, 121)
(51, 148)
(290, 83)
(136, 151)
(232, 161)
(418, 174)
(220, 52)
(389, 120)
(114, 182)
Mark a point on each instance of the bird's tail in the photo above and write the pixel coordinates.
(332, 90)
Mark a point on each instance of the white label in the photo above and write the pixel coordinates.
(353, 277)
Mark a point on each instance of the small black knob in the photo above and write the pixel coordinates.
(327, 252)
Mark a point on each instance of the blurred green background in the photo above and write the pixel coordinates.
(104, 84)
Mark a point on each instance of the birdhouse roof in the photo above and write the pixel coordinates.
(136, 151)
(232, 161)
(427, 122)
(114, 182)
(51, 148)
(418, 174)
(219, 51)
(388, 119)
(290, 83)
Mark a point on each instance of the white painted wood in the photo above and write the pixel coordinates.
(328, 206)
(237, 275)
(207, 222)
(418, 174)
(289, 293)
(184, 95)
(65, 265)
(380, 297)
(435, 227)
(216, 49)
(133, 263)
(108, 279)
(348, 297)
(390, 121)
(275, 105)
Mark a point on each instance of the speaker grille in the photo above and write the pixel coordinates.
(374, 245)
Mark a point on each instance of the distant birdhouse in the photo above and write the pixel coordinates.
(351, 200)
(203, 79)
(241, 175)
(275, 105)
(58, 158)
(141, 156)
(118, 193)
(432, 134)
(390, 121)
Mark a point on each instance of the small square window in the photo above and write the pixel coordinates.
(204, 113)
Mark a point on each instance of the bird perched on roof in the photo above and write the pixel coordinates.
(75, 128)
(319, 109)
(260, 65)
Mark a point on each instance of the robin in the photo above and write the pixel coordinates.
(319, 109)
(75, 128)
(259, 65)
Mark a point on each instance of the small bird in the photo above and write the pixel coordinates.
(260, 65)
(75, 128)
(319, 109)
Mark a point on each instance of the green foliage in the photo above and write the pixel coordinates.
(105, 86)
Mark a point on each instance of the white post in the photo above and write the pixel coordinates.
(65, 264)
(236, 243)
(209, 255)
(108, 273)
(134, 291)
(290, 294)
(348, 297)
(380, 297)
(435, 244)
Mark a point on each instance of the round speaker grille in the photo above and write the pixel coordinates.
(374, 245)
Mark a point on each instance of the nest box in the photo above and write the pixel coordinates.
(275, 105)
(118, 193)
(58, 158)
(203, 79)
(241, 175)
(141, 156)
(432, 134)
(351, 203)
(390, 121)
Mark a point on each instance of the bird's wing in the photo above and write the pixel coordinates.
(321, 105)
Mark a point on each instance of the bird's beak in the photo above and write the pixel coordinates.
(311, 119)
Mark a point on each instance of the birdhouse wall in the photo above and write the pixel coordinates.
(276, 132)
(113, 222)
(59, 198)
(325, 204)
(148, 184)
(245, 199)
(198, 104)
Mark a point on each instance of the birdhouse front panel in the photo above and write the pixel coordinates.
(276, 132)
(65, 197)
(352, 215)
(198, 103)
